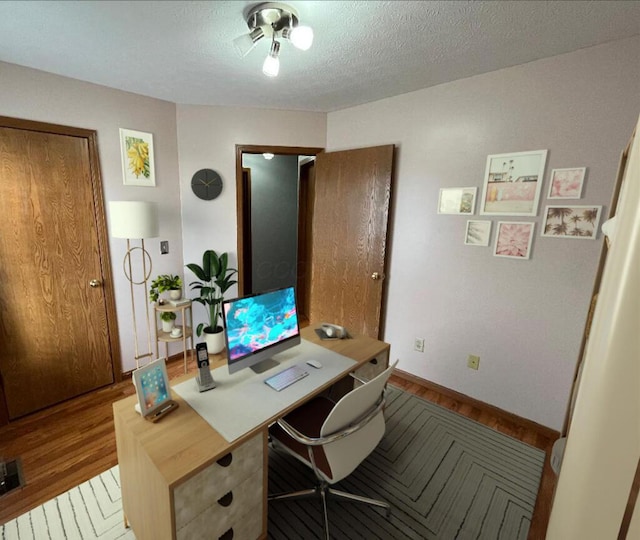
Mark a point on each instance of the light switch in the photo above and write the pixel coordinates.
(164, 247)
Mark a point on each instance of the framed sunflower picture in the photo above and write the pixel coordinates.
(136, 148)
(575, 222)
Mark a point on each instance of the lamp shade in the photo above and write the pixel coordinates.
(133, 219)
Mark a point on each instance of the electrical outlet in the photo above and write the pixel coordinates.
(418, 344)
(473, 361)
(164, 247)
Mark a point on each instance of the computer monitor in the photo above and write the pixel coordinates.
(258, 326)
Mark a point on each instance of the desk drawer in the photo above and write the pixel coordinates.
(202, 492)
(372, 368)
(238, 514)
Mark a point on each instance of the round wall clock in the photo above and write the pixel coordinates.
(206, 184)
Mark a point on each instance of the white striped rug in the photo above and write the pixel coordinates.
(91, 510)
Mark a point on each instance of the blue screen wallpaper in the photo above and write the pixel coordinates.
(153, 388)
(259, 321)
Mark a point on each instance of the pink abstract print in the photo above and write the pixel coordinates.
(513, 239)
(566, 183)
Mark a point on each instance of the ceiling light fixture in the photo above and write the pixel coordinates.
(274, 20)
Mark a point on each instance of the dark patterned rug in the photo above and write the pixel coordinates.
(445, 476)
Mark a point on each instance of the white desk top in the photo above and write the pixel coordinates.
(242, 401)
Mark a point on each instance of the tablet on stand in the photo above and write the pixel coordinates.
(153, 391)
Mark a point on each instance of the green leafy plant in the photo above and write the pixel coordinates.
(214, 280)
(163, 283)
(167, 316)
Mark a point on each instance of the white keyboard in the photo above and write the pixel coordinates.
(286, 378)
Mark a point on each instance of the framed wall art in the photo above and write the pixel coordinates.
(477, 233)
(566, 183)
(512, 183)
(457, 200)
(578, 222)
(513, 239)
(136, 148)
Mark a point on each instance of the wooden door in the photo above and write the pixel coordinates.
(54, 326)
(350, 218)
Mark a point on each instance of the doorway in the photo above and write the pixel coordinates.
(57, 307)
(274, 212)
(344, 204)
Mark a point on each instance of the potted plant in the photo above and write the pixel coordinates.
(167, 318)
(164, 283)
(214, 280)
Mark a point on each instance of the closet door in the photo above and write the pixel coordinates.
(53, 310)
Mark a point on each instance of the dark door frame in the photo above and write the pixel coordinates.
(243, 202)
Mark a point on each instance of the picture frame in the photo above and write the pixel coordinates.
(566, 183)
(459, 200)
(576, 222)
(477, 233)
(136, 148)
(512, 183)
(514, 239)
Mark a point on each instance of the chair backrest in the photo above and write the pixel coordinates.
(346, 454)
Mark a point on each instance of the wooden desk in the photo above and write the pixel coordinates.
(181, 479)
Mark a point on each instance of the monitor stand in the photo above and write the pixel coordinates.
(265, 365)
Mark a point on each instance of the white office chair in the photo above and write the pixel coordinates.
(334, 438)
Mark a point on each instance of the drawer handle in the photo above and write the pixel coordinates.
(374, 361)
(226, 500)
(228, 535)
(225, 461)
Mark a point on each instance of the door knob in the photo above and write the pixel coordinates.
(375, 276)
(95, 283)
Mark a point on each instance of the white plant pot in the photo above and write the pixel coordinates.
(215, 342)
(175, 294)
(167, 326)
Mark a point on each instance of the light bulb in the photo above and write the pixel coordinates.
(271, 65)
(301, 37)
(245, 43)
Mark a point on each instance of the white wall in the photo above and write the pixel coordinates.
(207, 137)
(36, 95)
(524, 318)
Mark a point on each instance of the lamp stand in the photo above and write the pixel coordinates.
(126, 263)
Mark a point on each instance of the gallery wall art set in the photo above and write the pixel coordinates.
(512, 187)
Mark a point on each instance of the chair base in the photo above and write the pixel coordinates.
(324, 491)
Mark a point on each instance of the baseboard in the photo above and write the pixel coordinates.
(463, 398)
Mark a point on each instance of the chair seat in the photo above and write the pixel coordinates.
(307, 419)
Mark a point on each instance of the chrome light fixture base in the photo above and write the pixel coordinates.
(272, 15)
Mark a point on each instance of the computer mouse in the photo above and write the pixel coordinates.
(314, 363)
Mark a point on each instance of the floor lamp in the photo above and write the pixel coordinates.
(135, 220)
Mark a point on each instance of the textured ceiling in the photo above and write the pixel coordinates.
(363, 51)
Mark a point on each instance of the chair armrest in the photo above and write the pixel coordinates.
(337, 435)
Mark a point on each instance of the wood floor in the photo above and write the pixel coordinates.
(74, 441)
